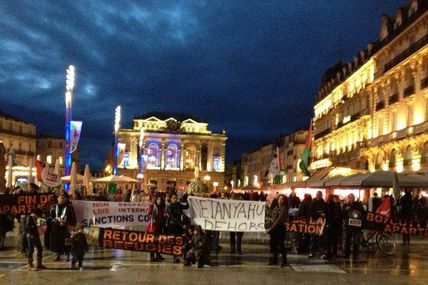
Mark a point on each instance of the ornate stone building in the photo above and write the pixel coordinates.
(254, 166)
(19, 135)
(292, 146)
(171, 146)
(372, 112)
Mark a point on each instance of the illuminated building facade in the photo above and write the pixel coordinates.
(19, 135)
(291, 149)
(371, 113)
(172, 146)
(254, 166)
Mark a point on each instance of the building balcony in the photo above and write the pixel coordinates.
(380, 105)
(393, 98)
(322, 133)
(406, 53)
(407, 162)
(409, 91)
(23, 152)
(19, 134)
(424, 83)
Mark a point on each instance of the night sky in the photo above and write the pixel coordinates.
(250, 67)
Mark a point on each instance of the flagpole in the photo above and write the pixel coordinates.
(116, 129)
(68, 117)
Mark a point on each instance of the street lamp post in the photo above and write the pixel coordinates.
(68, 117)
(116, 129)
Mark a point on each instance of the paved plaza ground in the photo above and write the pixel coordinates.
(103, 266)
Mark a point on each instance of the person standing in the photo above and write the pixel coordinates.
(156, 211)
(33, 240)
(376, 201)
(236, 237)
(333, 226)
(62, 217)
(405, 214)
(176, 221)
(354, 217)
(79, 245)
(318, 208)
(277, 231)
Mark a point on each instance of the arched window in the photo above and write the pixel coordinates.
(153, 155)
(204, 157)
(190, 157)
(392, 159)
(379, 160)
(216, 162)
(408, 156)
(172, 159)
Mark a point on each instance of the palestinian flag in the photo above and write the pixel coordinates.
(304, 158)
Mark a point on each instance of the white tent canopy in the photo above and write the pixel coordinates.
(383, 179)
(115, 179)
(79, 178)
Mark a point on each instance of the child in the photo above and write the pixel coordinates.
(79, 246)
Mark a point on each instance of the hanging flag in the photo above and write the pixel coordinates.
(49, 177)
(385, 208)
(396, 187)
(112, 188)
(304, 158)
(39, 167)
(120, 153)
(273, 168)
(75, 130)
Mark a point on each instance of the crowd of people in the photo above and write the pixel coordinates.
(64, 236)
(344, 221)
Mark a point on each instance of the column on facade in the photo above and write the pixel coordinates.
(181, 155)
(222, 157)
(210, 155)
(162, 157)
(198, 155)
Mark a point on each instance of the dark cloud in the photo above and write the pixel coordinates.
(250, 67)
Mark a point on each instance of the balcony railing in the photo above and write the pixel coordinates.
(22, 152)
(393, 98)
(409, 91)
(380, 105)
(21, 134)
(405, 54)
(322, 133)
(407, 162)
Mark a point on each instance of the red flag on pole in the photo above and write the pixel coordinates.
(39, 166)
(385, 208)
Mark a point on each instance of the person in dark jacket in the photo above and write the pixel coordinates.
(156, 211)
(79, 245)
(176, 221)
(354, 216)
(277, 231)
(62, 218)
(333, 226)
(304, 212)
(406, 207)
(421, 212)
(376, 201)
(318, 208)
(235, 237)
(33, 239)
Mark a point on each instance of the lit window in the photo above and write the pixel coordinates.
(153, 155)
(60, 160)
(216, 165)
(172, 158)
(49, 159)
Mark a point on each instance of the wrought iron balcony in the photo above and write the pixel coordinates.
(406, 53)
(424, 83)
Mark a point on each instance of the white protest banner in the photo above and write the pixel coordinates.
(49, 177)
(111, 214)
(227, 215)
